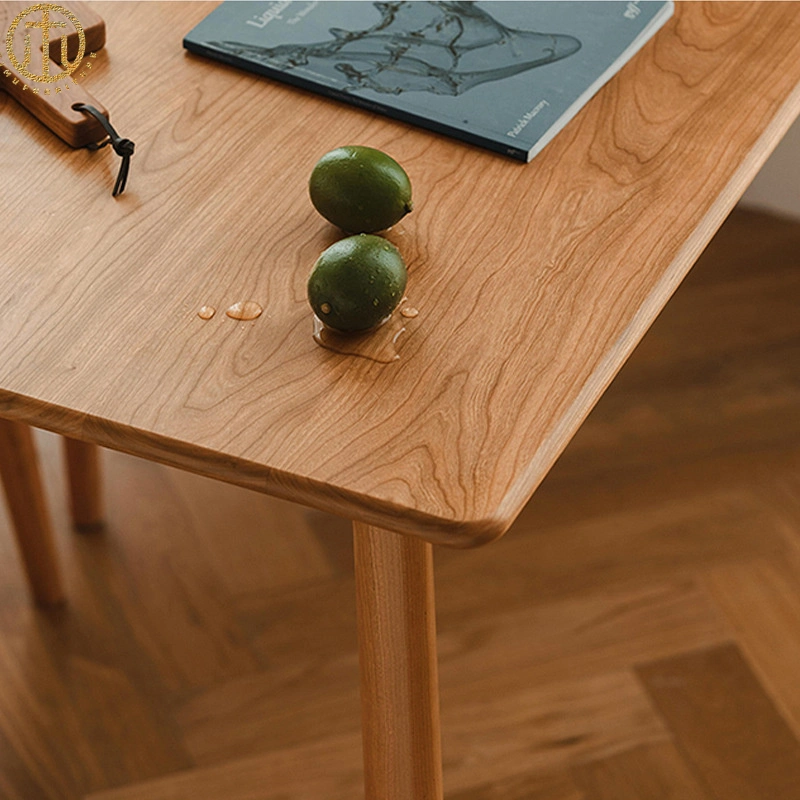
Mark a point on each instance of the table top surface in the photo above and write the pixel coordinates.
(533, 282)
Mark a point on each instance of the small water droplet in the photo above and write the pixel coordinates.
(206, 312)
(409, 313)
(246, 310)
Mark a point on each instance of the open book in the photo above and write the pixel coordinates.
(504, 75)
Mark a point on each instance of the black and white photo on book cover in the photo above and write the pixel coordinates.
(504, 75)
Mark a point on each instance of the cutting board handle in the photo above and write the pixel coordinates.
(55, 109)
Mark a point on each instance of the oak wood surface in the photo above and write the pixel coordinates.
(701, 696)
(54, 108)
(760, 599)
(399, 669)
(556, 786)
(656, 772)
(531, 295)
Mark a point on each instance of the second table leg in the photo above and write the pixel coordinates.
(19, 471)
(83, 473)
(399, 676)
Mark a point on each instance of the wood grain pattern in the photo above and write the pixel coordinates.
(174, 605)
(720, 351)
(330, 769)
(27, 505)
(399, 671)
(542, 656)
(298, 559)
(620, 531)
(557, 786)
(654, 772)
(581, 249)
(607, 629)
(52, 104)
(48, 702)
(85, 487)
(762, 600)
(725, 725)
(520, 726)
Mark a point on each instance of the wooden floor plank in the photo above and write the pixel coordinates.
(548, 786)
(581, 636)
(312, 683)
(541, 728)
(66, 722)
(166, 589)
(620, 532)
(725, 725)
(292, 702)
(291, 555)
(329, 770)
(648, 772)
(762, 600)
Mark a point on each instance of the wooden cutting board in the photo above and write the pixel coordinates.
(53, 108)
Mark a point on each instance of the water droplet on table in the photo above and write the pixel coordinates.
(206, 312)
(409, 312)
(379, 345)
(246, 310)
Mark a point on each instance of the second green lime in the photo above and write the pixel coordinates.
(357, 283)
(360, 189)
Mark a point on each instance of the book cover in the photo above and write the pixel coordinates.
(504, 75)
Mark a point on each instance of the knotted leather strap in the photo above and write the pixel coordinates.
(122, 147)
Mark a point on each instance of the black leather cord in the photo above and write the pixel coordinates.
(122, 147)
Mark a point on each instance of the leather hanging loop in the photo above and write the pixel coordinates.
(122, 147)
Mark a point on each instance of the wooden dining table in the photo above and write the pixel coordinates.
(533, 284)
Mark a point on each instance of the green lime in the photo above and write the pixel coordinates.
(360, 189)
(357, 283)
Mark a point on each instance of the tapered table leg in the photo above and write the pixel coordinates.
(19, 472)
(399, 678)
(83, 472)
